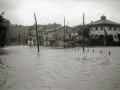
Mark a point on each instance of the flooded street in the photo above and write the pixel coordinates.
(60, 69)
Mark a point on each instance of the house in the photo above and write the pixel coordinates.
(105, 28)
(32, 33)
(59, 32)
(56, 36)
(78, 31)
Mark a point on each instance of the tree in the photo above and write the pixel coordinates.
(3, 29)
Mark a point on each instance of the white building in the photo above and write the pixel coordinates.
(104, 27)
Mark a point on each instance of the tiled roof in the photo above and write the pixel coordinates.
(78, 26)
(57, 29)
(103, 20)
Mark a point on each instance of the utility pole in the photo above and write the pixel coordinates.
(74, 37)
(42, 39)
(19, 36)
(64, 32)
(56, 35)
(9, 39)
(24, 38)
(105, 34)
(83, 32)
(36, 31)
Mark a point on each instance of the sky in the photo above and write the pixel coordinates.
(21, 12)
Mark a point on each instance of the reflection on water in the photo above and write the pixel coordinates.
(3, 53)
(60, 69)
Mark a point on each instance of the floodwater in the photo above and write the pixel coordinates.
(60, 69)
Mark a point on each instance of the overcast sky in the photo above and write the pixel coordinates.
(50, 11)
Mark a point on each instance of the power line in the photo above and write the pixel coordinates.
(104, 12)
(74, 20)
(102, 7)
(50, 6)
(100, 14)
(95, 10)
(47, 11)
(67, 10)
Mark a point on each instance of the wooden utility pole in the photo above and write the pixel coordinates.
(36, 31)
(105, 34)
(24, 38)
(56, 36)
(74, 37)
(83, 33)
(64, 32)
(19, 36)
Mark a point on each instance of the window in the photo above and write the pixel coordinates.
(92, 36)
(114, 28)
(115, 37)
(110, 28)
(69, 35)
(101, 28)
(101, 37)
(97, 36)
(96, 28)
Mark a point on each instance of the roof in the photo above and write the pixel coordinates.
(56, 29)
(78, 26)
(103, 20)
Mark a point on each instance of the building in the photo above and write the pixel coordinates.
(56, 36)
(103, 28)
(59, 33)
(78, 31)
(32, 34)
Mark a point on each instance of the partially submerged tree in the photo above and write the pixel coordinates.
(4, 30)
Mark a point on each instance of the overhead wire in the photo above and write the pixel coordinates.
(101, 13)
(68, 9)
(101, 7)
(75, 19)
(47, 11)
(96, 9)
(50, 6)
(104, 12)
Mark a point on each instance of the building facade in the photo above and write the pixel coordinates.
(59, 33)
(103, 28)
(32, 34)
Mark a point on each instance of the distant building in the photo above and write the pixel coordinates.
(59, 33)
(78, 31)
(32, 34)
(103, 28)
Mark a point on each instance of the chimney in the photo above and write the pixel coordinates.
(103, 17)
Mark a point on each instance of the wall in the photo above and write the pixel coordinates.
(60, 32)
(50, 34)
(113, 32)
